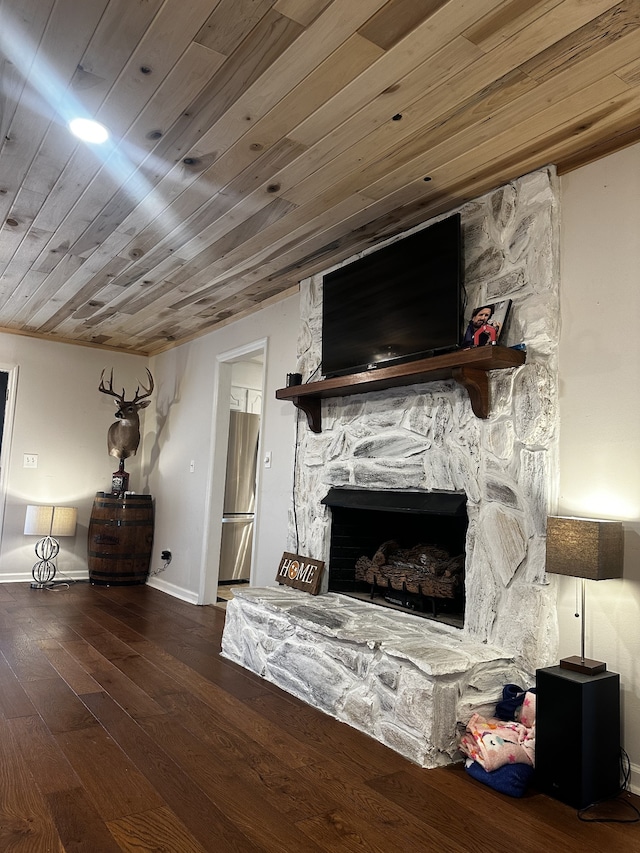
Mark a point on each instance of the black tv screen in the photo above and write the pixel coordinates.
(400, 303)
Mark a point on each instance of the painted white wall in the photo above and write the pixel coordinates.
(247, 374)
(187, 503)
(62, 417)
(599, 361)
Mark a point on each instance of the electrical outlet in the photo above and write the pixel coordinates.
(30, 460)
(166, 556)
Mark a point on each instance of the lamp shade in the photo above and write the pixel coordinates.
(50, 521)
(584, 547)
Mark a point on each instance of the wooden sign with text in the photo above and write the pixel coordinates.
(300, 572)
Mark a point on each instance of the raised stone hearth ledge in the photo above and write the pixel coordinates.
(408, 682)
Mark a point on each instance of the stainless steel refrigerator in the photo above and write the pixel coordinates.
(239, 497)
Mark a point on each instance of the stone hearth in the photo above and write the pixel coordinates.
(368, 667)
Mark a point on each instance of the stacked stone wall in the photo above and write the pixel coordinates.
(427, 438)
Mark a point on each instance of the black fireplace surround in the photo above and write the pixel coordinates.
(362, 520)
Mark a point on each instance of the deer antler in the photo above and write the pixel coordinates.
(147, 391)
(109, 389)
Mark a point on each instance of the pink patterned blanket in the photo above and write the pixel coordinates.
(494, 743)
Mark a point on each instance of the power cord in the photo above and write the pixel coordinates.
(625, 766)
(295, 462)
(312, 374)
(64, 581)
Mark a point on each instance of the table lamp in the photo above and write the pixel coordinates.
(589, 549)
(48, 522)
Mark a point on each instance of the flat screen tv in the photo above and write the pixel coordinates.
(400, 303)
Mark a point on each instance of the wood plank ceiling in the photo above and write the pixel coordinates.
(254, 142)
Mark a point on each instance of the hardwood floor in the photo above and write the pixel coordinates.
(121, 728)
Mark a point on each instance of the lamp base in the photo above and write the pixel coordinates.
(584, 665)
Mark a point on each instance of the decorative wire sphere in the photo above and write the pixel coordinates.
(44, 571)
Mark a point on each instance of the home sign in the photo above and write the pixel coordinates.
(300, 572)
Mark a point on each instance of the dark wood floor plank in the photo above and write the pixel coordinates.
(30, 621)
(618, 836)
(231, 711)
(431, 804)
(79, 825)
(245, 733)
(223, 784)
(46, 761)
(148, 677)
(231, 679)
(110, 779)
(132, 697)
(82, 624)
(186, 799)
(5, 594)
(25, 657)
(312, 726)
(146, 623)
(548, 823)
(58, 705)
(26, 825)
(290, 792)
(14, 702)
(345, 829)
(154, 830)
(122, 728)
(112, 648)
(68, 668)
(86, 655)
(60, 623)
(370, 798)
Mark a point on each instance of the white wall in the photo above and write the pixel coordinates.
(599, 360)
(62, 417)
(187, 503)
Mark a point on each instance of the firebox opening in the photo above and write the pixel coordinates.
(403, 550)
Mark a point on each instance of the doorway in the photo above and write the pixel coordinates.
(8, 384)
(235, 474)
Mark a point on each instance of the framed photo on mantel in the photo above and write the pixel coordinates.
(486, 324)
(300, 572)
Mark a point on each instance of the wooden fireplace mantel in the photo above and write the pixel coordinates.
(469, 367)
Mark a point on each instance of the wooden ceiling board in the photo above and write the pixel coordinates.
(502, 23)
(255, 142)
(316, 44)
(303, 11)
(489, 135)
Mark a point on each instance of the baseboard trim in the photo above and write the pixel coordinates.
(171, 589)
(27, 577)
(78, 575)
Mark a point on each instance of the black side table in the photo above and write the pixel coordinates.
(577, 735)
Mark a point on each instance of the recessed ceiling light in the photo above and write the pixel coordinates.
(88, 130)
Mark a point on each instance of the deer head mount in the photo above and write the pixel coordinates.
(123, 437)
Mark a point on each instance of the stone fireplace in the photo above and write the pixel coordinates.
(424, 574)
(405, 680)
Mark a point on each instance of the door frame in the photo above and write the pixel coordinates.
(7, 436)
(212, 534)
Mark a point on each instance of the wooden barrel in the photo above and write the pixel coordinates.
(120, 539)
